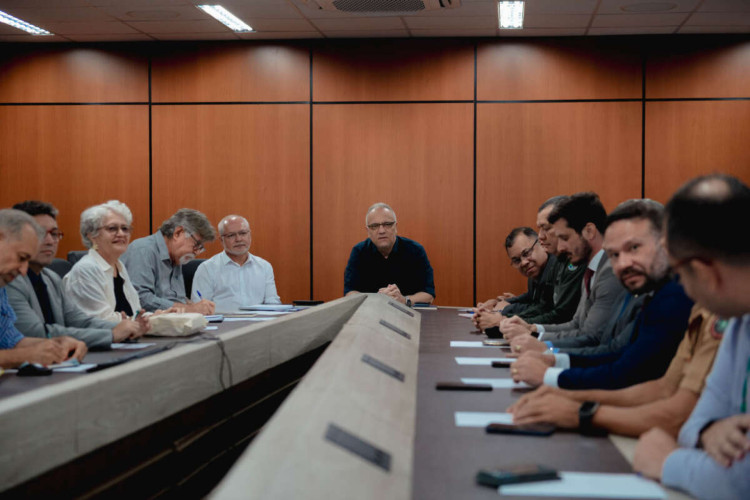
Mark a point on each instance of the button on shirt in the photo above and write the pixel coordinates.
(9, 335)
(232, 286)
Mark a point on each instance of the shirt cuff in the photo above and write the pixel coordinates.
(562, 361)
(551, 375)
(540, 331)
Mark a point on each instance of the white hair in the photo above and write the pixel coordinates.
(223, 222)
(377, 206)
(93, 217)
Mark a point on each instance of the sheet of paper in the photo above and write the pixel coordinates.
(481, 418)
(497, 383)
(469, 343)
(131, 345)
(425, 308)
(211, 328)
(75, 369)
(242, 318)
(588, 485)
(269, 307)
(65, 364)
(273, 313)
(466, 310)
(466, 315)
(262, 318)
(480, 361)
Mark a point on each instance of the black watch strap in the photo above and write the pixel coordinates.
(408, 301)
(586, 418)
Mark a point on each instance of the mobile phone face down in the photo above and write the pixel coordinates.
(525, 429)
(501, 364)
(515, 474)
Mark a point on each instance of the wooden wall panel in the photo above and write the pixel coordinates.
(687, 139)
(699, 69)
(231, 72)
(394, 70)
(394, 153)
(557, 69)
(251, 160)
(527, 153)
(79, 74)
(75, 157)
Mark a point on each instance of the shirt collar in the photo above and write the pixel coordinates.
(161, 245)
(594, 263)
(103, 264)
(226, 260)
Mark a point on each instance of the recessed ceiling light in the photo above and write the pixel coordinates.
(649, 7)
(226, 18)
(22, 25)
(510, 15)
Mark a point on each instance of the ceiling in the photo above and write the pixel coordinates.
(152, 20)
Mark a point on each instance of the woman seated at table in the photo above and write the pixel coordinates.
(98, 283)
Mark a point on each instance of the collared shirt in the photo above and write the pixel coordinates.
(232, 286)
(90, 286)
(159, 283)
(407, 266)
(9, 334)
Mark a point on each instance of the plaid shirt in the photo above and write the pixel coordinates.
(9, 334)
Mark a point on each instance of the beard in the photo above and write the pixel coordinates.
(186, 258)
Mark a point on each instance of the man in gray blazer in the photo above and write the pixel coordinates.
(38, 299)
(579, 225)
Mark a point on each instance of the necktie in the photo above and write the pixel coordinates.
(587, 280)
(42, 295)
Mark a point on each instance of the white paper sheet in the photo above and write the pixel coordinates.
(241, 318)
(588, 485)
(466, 315)
(76, 369)
(497, 383)
(211, 328)
(269, 307)
(480, 361)
(131, 345)
(469, 343)
(481, 418)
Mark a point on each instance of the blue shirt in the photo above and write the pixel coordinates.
(9, 334)
(407, 266)
(690, 468)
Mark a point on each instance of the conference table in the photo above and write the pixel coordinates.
(337, 401)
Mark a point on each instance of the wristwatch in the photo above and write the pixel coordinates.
(408, 301)
(586, 416)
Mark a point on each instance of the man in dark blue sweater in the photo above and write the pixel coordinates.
(632, 242)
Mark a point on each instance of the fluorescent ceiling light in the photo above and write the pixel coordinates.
(226, 18)
(510, 15)
(22, 25)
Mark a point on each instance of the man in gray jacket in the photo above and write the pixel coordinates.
(41, 308)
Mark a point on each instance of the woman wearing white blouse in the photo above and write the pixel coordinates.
(99, 283)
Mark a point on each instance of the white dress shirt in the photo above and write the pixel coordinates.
(231, 286)
(90, 285)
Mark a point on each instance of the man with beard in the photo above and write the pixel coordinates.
(155, 262)
(563, 277)
(235, 277)
(578, 225)
(710, 458)
(633, 243)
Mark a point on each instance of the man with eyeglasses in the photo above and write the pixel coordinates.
(387, 263)
(235, 277)
(155, 262)
(43, 309)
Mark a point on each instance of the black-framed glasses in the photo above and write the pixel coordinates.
(56, 234)
(516, 261)
(376, 225)
(198, 247)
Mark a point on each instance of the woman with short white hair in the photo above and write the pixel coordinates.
(99, 283)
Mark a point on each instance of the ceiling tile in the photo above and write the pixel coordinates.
(195, 36)
(280, 35)
(638, 20)
(196, 27)
(725, 6)
(84, 28)
(646, 6)
(282, 25)
(560, 7)
(555, 21)
(32, 39)
(454, 32)
(649, 30)
(369, 23)
(32, 4)
(111, 38)
(367, 34)
(451, 22)
(542, 32)
(470, 9)
(262, 8)
(71, 14)
(729, 19)
(138, 3)
(155, 13)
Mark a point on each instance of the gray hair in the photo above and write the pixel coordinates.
(192, 221)
(224, 221)
(93, 217)
(13, 221)
(379, 205)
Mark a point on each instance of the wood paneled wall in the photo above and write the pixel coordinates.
(464, 138)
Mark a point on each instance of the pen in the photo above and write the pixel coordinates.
(198, 293)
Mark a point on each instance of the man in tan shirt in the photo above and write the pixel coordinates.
(665, 402)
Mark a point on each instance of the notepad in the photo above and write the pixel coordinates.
(481, 361)
(481, 418)
(589, 485)
(468, 343)
(131, 345)
(497, 383)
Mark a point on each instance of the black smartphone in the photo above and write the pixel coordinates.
(524, 429)
(307, 302)
(501, 364)
(493, 332)
(460, 386)
(515, 474)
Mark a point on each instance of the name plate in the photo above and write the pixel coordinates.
(366, 358)
(395, 329)
(363, 449)
(402, 308)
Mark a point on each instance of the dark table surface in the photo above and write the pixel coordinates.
(446, 457)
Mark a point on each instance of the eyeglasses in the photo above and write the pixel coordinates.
(238, 234)
(114, 228)
(198, 247)
(376, 225)
(56, 234)
(516, 261)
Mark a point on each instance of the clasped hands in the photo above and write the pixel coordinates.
(393, 292)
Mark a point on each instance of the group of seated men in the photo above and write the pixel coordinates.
(658, 343)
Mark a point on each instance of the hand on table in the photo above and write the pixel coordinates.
(525, 343)
(726, 440)
(393, 292)
(530, 367)
(652, 451)
(513, 327)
